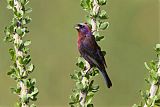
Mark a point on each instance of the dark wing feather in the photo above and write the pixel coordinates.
(101, 56)
(92, 52)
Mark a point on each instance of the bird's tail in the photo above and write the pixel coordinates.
(106, 77)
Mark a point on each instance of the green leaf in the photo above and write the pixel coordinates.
(158, 50)
(14, 73)
(74, 98)
(145, 95)
(17, 104)
(86, 4)
(103, 25)
(20, 59)
(33, 105)
(157, 46)
(157, 102)
(24, 99)
(96, 34)
(80, 63)
(146, 65)
(90, 105)
(27, 59)
(104, 53)
(136, 105)
(27, 43)
(11, 29)
(102, 2)
(79, 85)
(9, 7)
(95, 88)
(8, 32)
(34, 94)
(88, 19)
(30, 83)
(11, 72)
(28, 10)
(153, 66)
(19, 31)
(11, 3)
(103, 14)
(26, 20)
(94, 72)
(74, 76)
(25, 49)
(12, 53)
(16, 90)
(24, 2)
(99, 38)
(31, 67)
(8, 39)
(25, 30)
(89, 97)
(19, 13)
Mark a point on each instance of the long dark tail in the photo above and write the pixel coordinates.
(106, 77)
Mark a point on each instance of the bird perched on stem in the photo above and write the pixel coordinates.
(90, 50)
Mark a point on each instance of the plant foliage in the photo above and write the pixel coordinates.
(22, 66)
(153, 79)
(84, 84)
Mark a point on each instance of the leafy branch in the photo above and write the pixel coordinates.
(85, 89)
(22, 65)
(151, 98)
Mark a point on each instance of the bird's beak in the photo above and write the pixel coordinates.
(77, 26)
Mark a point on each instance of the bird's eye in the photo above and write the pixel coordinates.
(81, 26)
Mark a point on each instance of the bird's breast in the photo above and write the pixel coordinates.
(80, 40)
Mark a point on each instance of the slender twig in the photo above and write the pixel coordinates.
(22, 65)
(154, 87)
(24, 92)
(84, 93)
(19, 53)
(95, 10)
(151, 96)
(85, 88)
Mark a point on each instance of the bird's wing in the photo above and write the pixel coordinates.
(99, 52)
(93, 51)
(102, 56)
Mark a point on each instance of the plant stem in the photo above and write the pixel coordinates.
(95, 10)
(19, 53)
(85, 81)
(84, 93)
(22, 65)
(154, 87)
(23, 92)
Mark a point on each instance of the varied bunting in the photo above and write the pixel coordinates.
(90, 50)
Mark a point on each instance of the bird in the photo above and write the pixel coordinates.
(91, 51)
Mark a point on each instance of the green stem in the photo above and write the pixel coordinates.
(85, 81)
(154, 87)
(18, 41)
(22, 66)
(23, 92)
(85, 88)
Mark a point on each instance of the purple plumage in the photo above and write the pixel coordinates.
(90, 50)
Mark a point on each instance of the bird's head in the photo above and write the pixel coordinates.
(83, 28)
